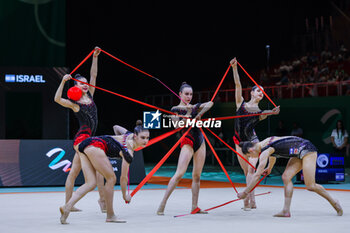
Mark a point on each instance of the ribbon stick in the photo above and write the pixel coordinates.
(159, 164)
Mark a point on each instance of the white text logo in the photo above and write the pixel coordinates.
(24, 78)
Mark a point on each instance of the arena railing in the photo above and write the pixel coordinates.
(277, 92)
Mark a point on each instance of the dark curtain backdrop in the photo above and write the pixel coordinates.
(26, 41)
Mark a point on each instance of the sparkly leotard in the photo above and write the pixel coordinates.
(87, 117)
(194, 138)
(244, 126)
(290, 147)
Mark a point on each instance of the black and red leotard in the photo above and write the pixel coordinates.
(244, 126)
(109, 145)
(289, 147)
(87, 117)
(194, 138)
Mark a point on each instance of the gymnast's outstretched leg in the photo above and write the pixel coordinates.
(89, 185)
(184, 159)
(198, 163)
(72, 176)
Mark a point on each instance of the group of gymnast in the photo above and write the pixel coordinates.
(92, 152)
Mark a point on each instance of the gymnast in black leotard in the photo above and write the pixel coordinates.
(194, 138)
(86, 112)
(109, 145)
(192, 145)
(289, 147)
(302, 154)
(87, 118)
(245, 126)
(95, 152)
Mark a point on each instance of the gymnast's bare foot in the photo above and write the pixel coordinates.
(283, 214)
(114, 219)
(102, 205)
(338, 208)
(246, 206)
(74, 209)
(252, 205)
(64, 215)
(160, 210)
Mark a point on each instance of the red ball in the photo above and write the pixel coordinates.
(74, 93)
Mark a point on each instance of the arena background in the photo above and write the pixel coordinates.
(174, 42)
(284, 45)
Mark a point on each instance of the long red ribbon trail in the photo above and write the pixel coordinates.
(143, 72)
(239, 198)
(258, 183)
(215, 207)
(159, 164)
(133, 67)
(222, 80)
(159, 138)
(218, 159)
(218, 206)
(256, 84)
(231, 148)
(125, 97)
(226, 203)
(82, 62)
(169, 112)
(151, 142)
(239, 116)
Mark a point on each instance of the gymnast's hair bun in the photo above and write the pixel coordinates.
(246, 146)
(77, 76)
(139, 127)
(184, 85)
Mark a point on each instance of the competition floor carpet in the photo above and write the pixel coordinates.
(36, 209)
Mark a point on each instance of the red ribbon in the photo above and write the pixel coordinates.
(218, 159)
(218, 206)
(239, 116)
(82, 62)
(222, 80)
(231, 148)
(125, 97)
(159, 164)
(256, 84)
(159, 138)
(143, 72)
